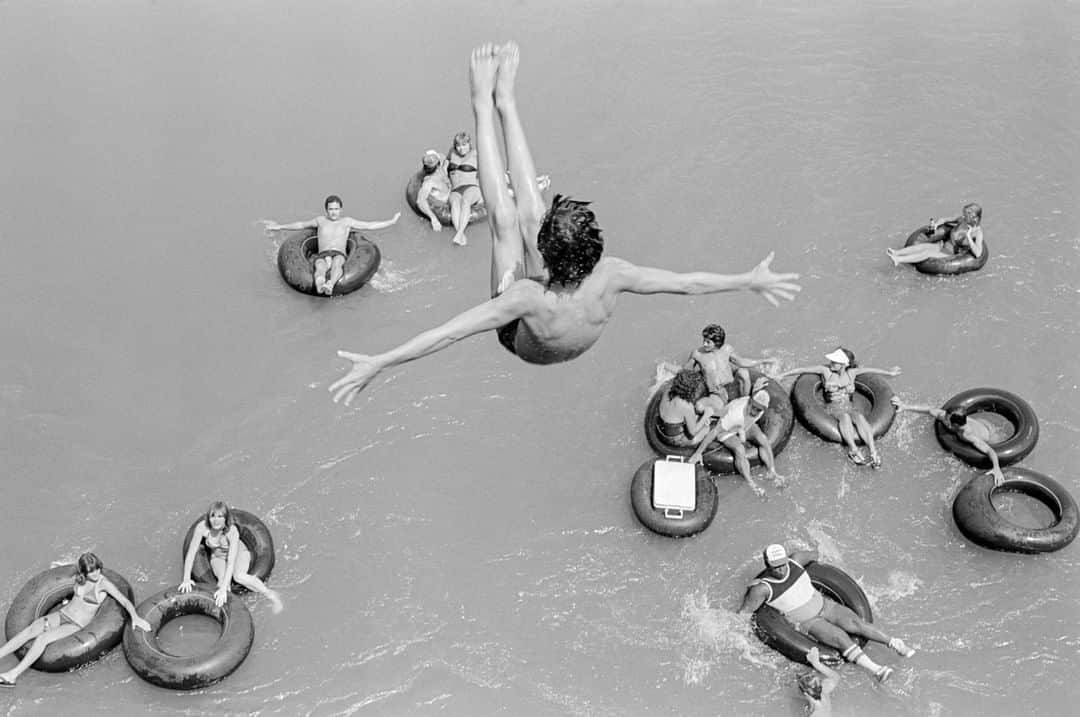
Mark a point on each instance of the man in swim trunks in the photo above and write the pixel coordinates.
(786, 587)
(738, 424)
(972, 430)
(436, 185)
(551, 293)
(715, 359)
(333, 239)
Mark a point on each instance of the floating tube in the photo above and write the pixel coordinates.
(163, 669)
(991, 400)
(776, 423)
(982, 524)
(808, 400)
(655, 519)
(956, 264)
(255, 536)
(777, 632)
(44, 593)
(296, 262)
(440, 207)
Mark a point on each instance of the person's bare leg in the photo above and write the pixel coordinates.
(530, 203)
(459, 217)
(507, 250)
(847, 432)
(37, 647)
(866, 433)
(320, 276)
(337, 270)
(742, 463)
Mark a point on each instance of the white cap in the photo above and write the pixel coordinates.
(838, 356)
(775, 555)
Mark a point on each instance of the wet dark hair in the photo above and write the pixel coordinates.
(957, 419)
(87, 563)
(810, 685)
(569, 240)
(220, 507)
(688, 385)
(331, 200)
(714, 333)
(976, 207)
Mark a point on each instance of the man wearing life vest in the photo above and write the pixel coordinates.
(787, 588)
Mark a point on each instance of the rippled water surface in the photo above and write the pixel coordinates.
(461, 542)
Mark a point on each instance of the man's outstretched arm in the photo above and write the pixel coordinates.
(760, 279)
(361, 225)
(488, 316)
(309, 224)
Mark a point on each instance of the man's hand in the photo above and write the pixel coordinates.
(221, 595)
(894, 371)
(898, 403)
(396, 217)
(772, 286)
(364, 369)
(436, 225)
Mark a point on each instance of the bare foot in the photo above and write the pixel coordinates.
(460, 240)
(320, 284)
(892, 255)
(482, 68)
(509, 57)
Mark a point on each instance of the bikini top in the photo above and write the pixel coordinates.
(838, 385)
(460, 167)
(218, 545)
(90, 593)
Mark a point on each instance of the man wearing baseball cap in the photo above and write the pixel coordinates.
(786, 587)
(739, 424)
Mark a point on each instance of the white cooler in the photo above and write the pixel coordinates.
(674, 488)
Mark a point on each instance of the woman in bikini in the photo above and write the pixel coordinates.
(838, 380)
(229, 557)
(961, 234)
(91, 589)
(461, 165)
(678, 420)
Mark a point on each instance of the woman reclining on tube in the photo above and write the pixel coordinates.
(965, 236)
(91, 590)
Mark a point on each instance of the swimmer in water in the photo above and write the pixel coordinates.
(962, 235)
(91, 590)
(333, 232)
(972, 430)
(229, 557)
(818, 685)
(551, 292)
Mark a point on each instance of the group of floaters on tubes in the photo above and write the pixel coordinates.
(70, 615)
(551, 294)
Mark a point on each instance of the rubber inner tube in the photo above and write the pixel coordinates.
(174, 672)
(982, 524)
(776, 423)
(296, 262)
(44, 593)
(873, 397)
(778, 633)
(991, 400)
(253, 533)
(440, 207)
(692, 522)
(956, 264)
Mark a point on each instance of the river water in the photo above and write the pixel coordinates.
(460, 541)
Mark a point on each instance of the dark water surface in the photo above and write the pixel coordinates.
(461, 541)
